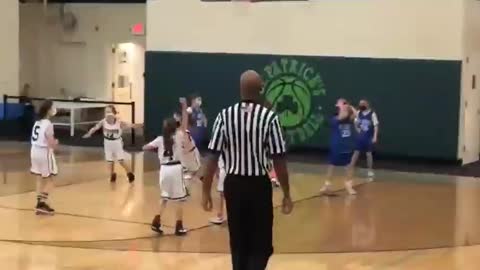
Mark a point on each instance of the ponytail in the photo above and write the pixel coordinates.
(169, 128)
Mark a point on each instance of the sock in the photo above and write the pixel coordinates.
(42, 197)
(156, 220)
(45, 196)
(179, 225)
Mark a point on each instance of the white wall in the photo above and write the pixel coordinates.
(50, 61)
(9, 52)
(368, 28)
(469, 130)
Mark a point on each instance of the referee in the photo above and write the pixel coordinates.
(248, 136)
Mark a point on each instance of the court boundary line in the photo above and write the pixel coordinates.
(147, 237)
(226, 253)
(64, 244)
(121, 220)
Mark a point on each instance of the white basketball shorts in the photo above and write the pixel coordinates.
(114, 150)
(43, 162)
(172, 183)
(221, 179)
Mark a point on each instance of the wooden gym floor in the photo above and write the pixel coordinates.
(401, 221)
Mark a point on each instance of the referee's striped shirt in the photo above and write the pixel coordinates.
(246, 135)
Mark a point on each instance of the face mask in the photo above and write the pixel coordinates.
(53, 111)
(362, 107)
(337, 110)
(110, 116)
(199, 102)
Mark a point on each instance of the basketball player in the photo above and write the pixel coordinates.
(220, 217)
(175, 151)
(367, 127)
(194, 168)
(42, 156)
(198, 127)
(112, 128)
(341, 144)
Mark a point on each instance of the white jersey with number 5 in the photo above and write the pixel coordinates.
(42, 158)
(40, 131)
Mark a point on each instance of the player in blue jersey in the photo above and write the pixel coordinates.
(367, 127)
(342, 140)
(198, 127)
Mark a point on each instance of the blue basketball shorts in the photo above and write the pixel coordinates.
(340, 159)
(364, 145)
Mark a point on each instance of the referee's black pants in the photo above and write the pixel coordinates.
(250, 220)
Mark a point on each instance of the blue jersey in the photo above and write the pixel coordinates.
(366, 125)
(198, 118)
(341, 136)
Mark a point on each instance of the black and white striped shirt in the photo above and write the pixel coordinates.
(246, 135)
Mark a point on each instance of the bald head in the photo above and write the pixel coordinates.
(250, 85)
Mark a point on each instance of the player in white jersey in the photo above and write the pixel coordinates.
(42, 156)
(190, 170)
(113, 143)
(175, 151)
(221, 174)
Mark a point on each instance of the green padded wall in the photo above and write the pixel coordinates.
(417, 101)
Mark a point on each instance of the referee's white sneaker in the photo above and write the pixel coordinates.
(349, 187)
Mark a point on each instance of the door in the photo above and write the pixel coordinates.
(121, 85)
(472, 110)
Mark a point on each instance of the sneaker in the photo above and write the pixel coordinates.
(349, 188)
(326, 188)
(50, 208)
(113, 178)
(180, 231)
(275, 182)
(156, 225)
(370, 175)
(131, 177)
(217, 220)
(44, 209)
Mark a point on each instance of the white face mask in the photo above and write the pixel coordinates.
(110, 116)
(53, 111)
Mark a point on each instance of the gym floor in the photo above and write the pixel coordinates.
(400, 221)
